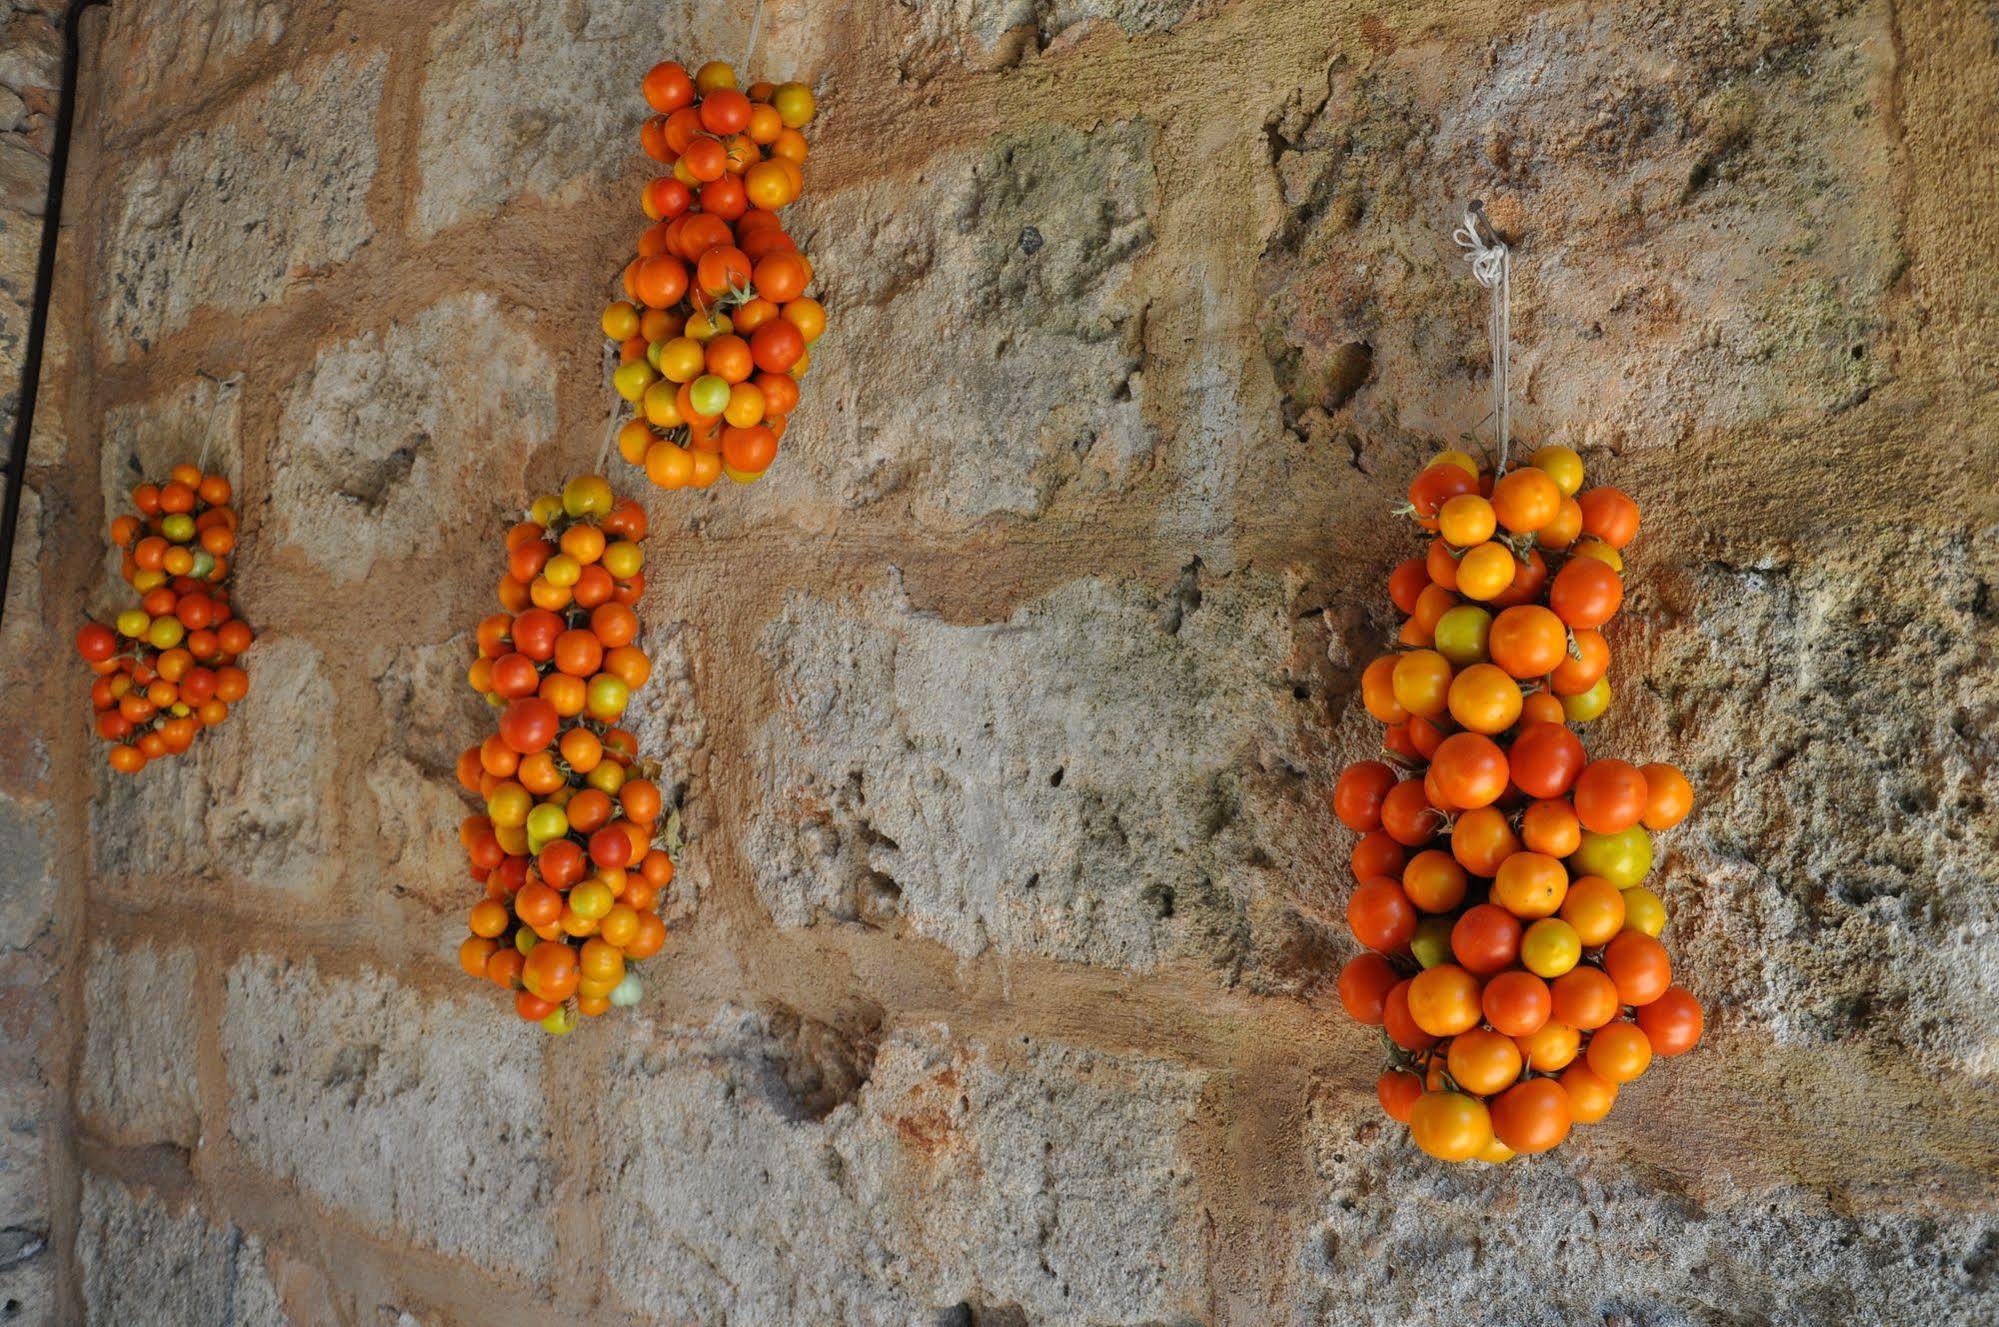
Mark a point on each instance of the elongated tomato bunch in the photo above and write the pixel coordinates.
(565, 845)
(714, 331)
(166, 667)
(1512, 953)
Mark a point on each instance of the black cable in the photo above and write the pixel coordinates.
(45, 280)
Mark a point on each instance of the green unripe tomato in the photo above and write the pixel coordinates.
(607, 697)
(547, 823)
(631, 380)
(204, 565)
(623, 559)
(1623, 858)
(1462, 634)
(1550, 948)
(587, 495)
(1589, 704)
(1644, 911)
(560, 1023)
(1432, 942)
(628, 992)
(178, 527)
(525, 940)
(709, 394)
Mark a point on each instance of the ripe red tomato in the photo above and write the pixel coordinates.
(1545, 760)
(1610, 796)
(1532, 1116)
(1407, 815)
(1471, 769)
(1486, 939)
(1399, 1024)
(777, 345)
(1381, 915)
(1409, 579)
(725, 111)
(96, 642)
(1673, 1022)
(1639, 966)
(528, 724)
(1435, 486)
(1358, 795)
(1397, 1090)
(1516, 1003)
(1586, 593)
(1364, 985)
(1610, 515)
(534, 634)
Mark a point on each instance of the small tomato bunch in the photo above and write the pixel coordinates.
(714, 333)
(166, 667)
(1513, 959)
(565, 845)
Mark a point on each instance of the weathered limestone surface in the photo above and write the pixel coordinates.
(387, 430)
(235, 216)
(520, 104)
(419, 1117)
(139, 1053)
(150, 1261)
(1001, 715)
(1018, 288)
(222, 811)
(173, 52)
(1127, 798)
(1035, 1178)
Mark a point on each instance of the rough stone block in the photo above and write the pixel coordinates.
(256, 789)
(421, 1118)
(544, 103)
(996, 34)
(386, 452)
(1801, 693)
(146, 1262)
(27, 871)
(1588, 1233)
(139, 1080)
(235, 216)
(1705, 253)
(181, 48)
(1115, 775)
(198, 422)
(943, 1173)
(1017, 287)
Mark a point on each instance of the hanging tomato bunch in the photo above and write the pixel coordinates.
(715, 330)
(1513, 956)
(565, 847)
(166, 668)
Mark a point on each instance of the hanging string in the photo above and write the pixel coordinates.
(1492, 264)
(750, 47)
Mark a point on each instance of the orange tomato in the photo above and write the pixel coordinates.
(1535, 1115)
(1483, 1061)
(1444, 1000)
(1619, 1052)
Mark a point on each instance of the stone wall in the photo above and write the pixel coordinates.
(1004, 712)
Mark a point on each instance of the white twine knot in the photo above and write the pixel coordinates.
(1492, 265)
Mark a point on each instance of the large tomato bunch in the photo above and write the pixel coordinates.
(1512, 954)
(167, 666)
(565, 845)
(715, 329)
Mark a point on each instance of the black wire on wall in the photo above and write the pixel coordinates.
(45, 274)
